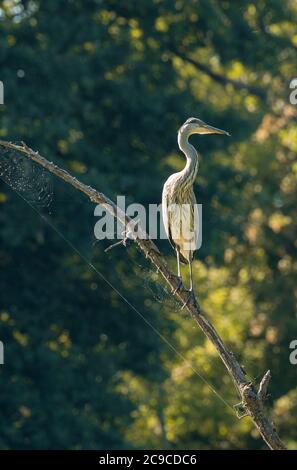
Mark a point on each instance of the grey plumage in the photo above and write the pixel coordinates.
(180, 214)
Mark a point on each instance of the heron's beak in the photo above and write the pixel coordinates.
(206, 129)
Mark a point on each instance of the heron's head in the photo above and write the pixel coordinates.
(196, 126)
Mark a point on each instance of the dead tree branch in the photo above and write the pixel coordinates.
(252, 401)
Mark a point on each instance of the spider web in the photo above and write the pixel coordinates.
(27, 178)
(35, 185)
(150, 279)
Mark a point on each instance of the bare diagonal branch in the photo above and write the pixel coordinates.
(252, 402)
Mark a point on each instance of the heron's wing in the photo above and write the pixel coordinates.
(168, 220)
(190, 225)
(196, 223)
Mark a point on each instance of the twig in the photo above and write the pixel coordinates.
(252, 403)
(110, 247)
(263, 387)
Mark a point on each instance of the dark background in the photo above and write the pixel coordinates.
(101, 87)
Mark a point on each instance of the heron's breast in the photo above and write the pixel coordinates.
(182, 196)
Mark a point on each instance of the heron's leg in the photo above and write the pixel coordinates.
(191, 276)
(178, 264)
(191, 298)
(179, 284)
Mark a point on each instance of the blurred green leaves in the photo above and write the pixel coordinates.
(101, 87)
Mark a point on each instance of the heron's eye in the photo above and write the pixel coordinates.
(192, 121)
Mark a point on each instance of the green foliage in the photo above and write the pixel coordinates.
(101, 87)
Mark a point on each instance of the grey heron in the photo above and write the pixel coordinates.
(179, 209)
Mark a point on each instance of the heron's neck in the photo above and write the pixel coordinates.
(189, 173)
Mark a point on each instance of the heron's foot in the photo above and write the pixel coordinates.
(179, 284)
(191, 300)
